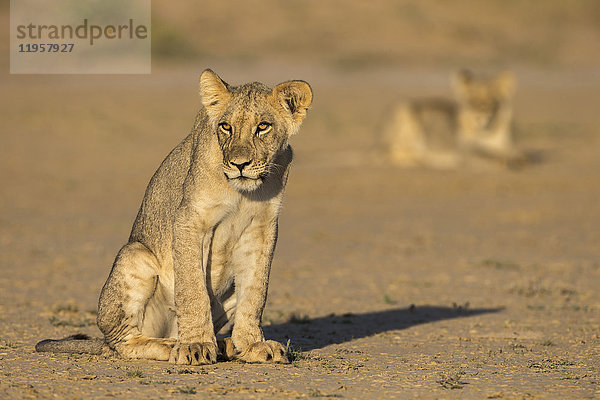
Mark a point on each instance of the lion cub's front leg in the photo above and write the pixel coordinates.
(252, 262)
(196, 344)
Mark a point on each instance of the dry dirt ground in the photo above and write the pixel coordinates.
(387, 283)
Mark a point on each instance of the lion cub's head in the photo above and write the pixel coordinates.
(253, 124)
(481, 97)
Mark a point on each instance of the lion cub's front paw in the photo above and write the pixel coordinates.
(226, 348)
(269, 351)
(193, 353)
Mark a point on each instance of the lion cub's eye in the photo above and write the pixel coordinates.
(263, 128)
(225, 128)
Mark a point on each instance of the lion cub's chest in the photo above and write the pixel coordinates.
(231, 241)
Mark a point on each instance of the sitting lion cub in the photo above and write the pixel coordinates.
(198, 259)
(443, 133)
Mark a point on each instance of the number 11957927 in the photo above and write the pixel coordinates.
(46, 47)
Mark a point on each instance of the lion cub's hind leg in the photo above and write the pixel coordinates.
(131, 285)
(144, 347)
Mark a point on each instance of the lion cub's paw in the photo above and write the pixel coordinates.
(226, 348)
(269, 351)
(193, 353)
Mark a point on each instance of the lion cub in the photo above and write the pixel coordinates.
(198, 259)
(444, 133)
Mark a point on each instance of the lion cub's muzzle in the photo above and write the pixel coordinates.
(240, 167)
(243, 171)
(244, 175)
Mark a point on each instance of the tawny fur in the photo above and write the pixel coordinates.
(198, 259)
(445, 133)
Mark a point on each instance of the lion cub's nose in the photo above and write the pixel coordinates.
(240, 163)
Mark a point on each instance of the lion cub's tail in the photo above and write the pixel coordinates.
(78, 343)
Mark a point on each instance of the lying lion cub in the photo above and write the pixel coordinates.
(198, 259)
(445, 133)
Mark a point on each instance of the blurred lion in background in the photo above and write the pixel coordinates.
(444, 133)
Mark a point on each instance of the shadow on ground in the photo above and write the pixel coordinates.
(314, 333)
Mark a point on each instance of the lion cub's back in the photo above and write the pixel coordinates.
(154, 221)
(422, 132)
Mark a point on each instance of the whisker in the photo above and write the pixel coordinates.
(276, 167)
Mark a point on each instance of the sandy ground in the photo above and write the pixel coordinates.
(388, 283)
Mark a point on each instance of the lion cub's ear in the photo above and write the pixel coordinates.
(461, 81)
(294, 96)
(213, 91)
